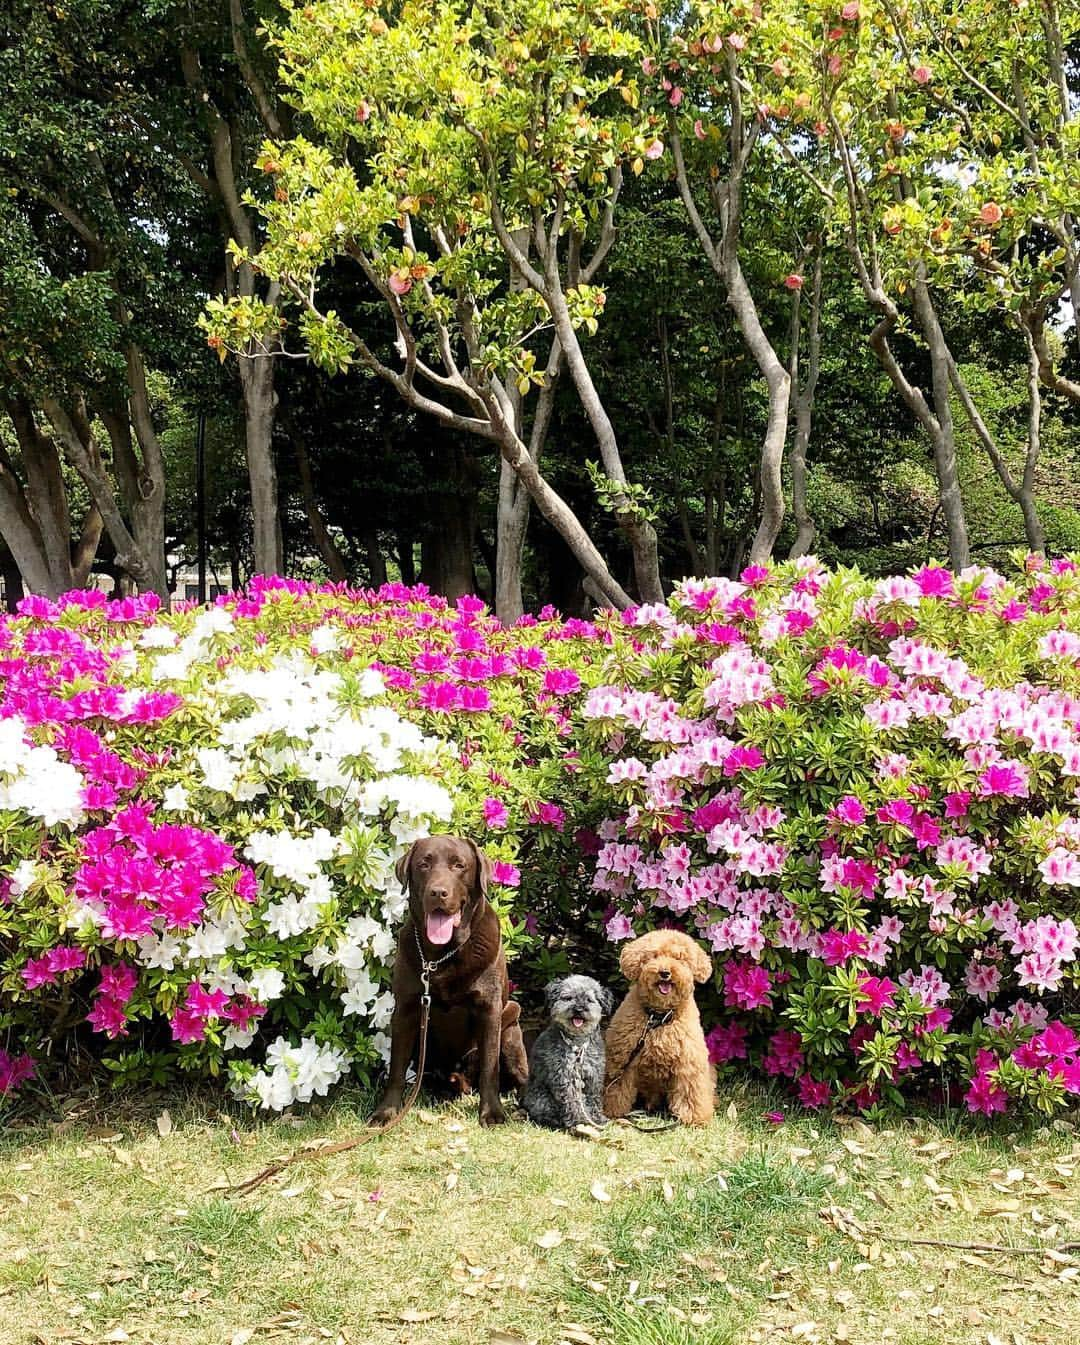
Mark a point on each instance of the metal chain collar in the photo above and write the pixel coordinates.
(428, 966)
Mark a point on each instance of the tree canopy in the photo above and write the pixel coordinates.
(700, 283)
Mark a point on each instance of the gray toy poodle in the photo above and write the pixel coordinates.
(566, 1071)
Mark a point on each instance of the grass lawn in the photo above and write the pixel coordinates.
(111, 1229)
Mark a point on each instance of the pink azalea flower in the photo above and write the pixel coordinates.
(727, 1041)
(14, 1070)
(957, 804)
(814, 1093)
(108, 1016)
(496, 815)
(986, 1096)
(619, 928)
(560, 682)
(876, 994)
(187, 1027)
(898, 812)
(747, 986)
(784, 1056)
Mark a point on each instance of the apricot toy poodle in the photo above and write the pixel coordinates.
(655, 1046)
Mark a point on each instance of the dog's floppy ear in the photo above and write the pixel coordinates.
(483, 868)
(696, 958)
(551, 992)
(632, 956)
(607, 1002)
(401, 868)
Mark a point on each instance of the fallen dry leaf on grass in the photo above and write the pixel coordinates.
(599, 1192)
(549, 1239)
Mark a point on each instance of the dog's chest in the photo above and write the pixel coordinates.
(585, 1064)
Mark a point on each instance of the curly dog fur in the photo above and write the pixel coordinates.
(566, 1069)
(672, 1065)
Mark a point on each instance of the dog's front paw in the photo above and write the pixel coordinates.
(492, 1114)
(388, 1110)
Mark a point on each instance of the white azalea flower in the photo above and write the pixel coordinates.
(175, 799)
(325, 639)
(159, 950)
(267, 983)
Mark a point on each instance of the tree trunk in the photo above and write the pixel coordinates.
(639, 532)
(257, 386)
(85, 550)
(146, 503)
(45, 493)
(724, 259)
(13, 585)
(326, 545)
(804, 394)
(944, 441)
(375, 559)
(406, 559)
(446, 553)
(23, 538)
(779, 385)
(513, 503)
(557, 512)
(1022, 491)
(447, 544)
(140, 549)
(511, 528)
(1033, 527)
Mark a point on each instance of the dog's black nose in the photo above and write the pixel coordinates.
(665, 975)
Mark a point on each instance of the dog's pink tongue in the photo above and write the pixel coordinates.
(440, 927)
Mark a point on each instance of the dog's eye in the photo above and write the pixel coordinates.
(457, 863)
(425, 863)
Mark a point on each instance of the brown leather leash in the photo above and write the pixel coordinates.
(316, 1149)
(653, 1021)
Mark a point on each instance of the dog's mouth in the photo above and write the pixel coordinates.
(663, 987)
(577, 1020)
(440, 925)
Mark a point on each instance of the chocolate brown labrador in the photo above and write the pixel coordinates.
(474, 1024)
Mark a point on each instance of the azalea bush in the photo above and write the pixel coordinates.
(200, 814)
(863, 799)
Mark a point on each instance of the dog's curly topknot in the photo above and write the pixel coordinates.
(665, 941)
